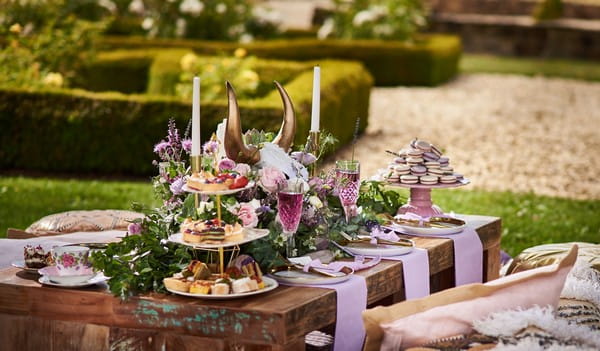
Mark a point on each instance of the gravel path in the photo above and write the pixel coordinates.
(504, 132)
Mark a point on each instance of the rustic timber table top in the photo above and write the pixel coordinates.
(280, 317)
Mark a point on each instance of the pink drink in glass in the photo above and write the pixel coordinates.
(348, 184)
(289, 205)
(290, 210)
(348, 189)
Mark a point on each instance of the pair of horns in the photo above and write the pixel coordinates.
(235, 147)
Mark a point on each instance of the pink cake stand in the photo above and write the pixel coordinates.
(420, 202)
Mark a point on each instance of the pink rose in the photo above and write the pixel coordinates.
(226, 164)
(134, 228)
(272, 179)
(67, 260)
(247, 214)
(242, 169)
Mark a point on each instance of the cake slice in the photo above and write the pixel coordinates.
(177, 284)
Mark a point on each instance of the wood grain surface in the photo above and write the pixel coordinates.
(34, 317)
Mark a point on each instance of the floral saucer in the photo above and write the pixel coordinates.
(98, 278)
(51, 276)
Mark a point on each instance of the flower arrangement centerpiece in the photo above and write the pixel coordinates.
(272, 169)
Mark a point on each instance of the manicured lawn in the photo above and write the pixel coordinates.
(574, 69)
(24, 200)
(527, 219)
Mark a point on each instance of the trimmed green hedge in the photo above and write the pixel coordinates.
(431, 60)
(166, 70)
(112, 133)
(125, 71)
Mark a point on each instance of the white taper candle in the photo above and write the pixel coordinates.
(196, 143)
(316, 100)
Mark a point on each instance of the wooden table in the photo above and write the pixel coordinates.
(35, 317)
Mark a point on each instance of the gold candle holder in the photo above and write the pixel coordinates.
(196, 165)
(313, 146)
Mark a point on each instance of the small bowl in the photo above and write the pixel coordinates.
(54, 276)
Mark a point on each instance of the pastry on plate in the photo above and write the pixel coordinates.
(201, 287)
(220, 289)
(199, 270)
(36, 257)
(249, 268)
(244, 285)
(210, 231)
(177, 284)
(206, 181)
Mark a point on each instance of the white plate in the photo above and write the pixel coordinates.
(270, 284)
(250, 234)
(217, 192)
(98, 278)
(365, 249)
(424, 231)
(297, 277)
(21, 264)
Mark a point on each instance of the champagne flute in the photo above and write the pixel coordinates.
(348, 182)
(289, 203)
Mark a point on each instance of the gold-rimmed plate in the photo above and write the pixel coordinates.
(270, 284)
(187, 189)
(383, 250)
(249, 234)
(299, 277)
(437, 226)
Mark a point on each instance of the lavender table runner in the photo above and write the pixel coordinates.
(468, 255)
(415, 271)
(351, 301)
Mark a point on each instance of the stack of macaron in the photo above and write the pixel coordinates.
(421, 163)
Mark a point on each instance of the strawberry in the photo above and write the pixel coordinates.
(239, 182)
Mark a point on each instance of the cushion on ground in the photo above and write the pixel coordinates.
(77, 221)
(451, 312)
(574, 325)
(544, 255)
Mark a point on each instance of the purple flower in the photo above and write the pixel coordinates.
(309, 216)
(173, 133)
(187, 145)
(263, 209)
(161, 147)
(319, 186)
(173, 203)
(134, 228)
(305, 158)
(226, 164)
(177, 186)
(211, 147)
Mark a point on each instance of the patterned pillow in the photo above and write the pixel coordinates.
(451, 312)
(544, 255)
(77, 221)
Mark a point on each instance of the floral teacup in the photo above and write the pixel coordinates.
(71, 260)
